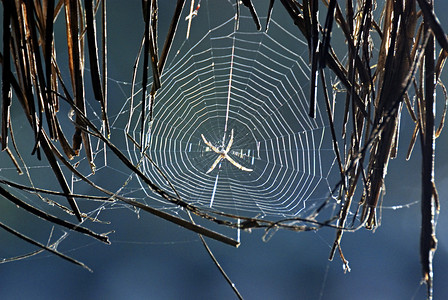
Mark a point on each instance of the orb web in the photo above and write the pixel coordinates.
(230, 128)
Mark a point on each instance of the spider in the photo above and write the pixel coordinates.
(223, 154)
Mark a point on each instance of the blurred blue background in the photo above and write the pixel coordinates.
(152, 259)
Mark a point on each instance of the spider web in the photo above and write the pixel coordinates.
(229, 79)
(226, 77)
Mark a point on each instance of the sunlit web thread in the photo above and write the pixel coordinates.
(229, 93)
(266, 106)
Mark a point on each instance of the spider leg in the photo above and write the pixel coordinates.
(230, 142)
(210, 145)
(237, 164)
(215, 164)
